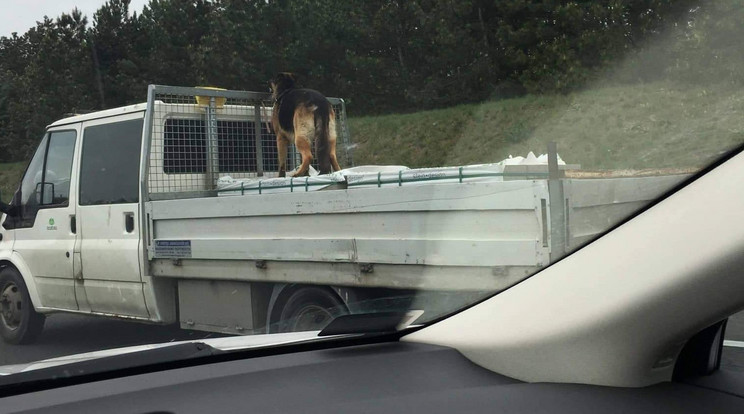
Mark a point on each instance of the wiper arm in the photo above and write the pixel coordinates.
(15, 383)
(170, 356)
(367, 323)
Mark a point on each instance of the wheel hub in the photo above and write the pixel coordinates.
(11, 305)
(311, 317)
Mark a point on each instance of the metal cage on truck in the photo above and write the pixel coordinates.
(195, 136)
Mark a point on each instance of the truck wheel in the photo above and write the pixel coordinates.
(310, 309)
(19, 322)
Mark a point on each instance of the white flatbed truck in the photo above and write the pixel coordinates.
(120, 213)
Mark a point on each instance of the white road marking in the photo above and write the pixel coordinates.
(735, 344)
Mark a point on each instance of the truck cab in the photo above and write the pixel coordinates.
(82, 180)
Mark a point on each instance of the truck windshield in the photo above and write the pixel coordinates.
(347, 158)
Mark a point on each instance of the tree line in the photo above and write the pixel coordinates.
(381, 55)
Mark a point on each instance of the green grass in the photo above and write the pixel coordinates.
(648, 126)
(10, 175)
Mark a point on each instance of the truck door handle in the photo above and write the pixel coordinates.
(129, 222)
(73, 225)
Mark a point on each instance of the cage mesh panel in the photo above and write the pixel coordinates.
(193, 145)
(236, 143)
(185, 146)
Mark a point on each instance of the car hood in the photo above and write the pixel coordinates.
(230, 343)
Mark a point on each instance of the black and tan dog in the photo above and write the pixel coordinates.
(305, 116)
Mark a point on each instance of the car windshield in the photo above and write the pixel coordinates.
(207, 169)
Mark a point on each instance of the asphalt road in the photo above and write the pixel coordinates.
(733, 357)
(71, 334)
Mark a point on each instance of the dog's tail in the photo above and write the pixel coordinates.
(322, 139)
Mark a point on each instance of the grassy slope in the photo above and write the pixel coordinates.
(649, 126)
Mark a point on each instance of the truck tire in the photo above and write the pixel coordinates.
(19, 322)
(310, 308)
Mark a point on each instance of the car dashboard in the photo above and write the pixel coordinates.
(387, 377)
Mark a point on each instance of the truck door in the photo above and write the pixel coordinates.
(44, 229)
(108, 213)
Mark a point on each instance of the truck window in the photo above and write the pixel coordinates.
(59, 168)
(46, 183)
(185, 147)
(109, 171)
(29, 203)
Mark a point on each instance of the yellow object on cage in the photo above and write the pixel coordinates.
(219, 102)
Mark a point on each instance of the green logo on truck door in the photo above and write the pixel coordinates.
(51, 225)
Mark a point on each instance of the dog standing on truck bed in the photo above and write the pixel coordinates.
(306, 116)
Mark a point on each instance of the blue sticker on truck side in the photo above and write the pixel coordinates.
(173, 249)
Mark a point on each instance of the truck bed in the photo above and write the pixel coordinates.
(393, 236)
(444, 236)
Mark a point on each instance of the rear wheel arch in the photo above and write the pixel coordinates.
(284, 292)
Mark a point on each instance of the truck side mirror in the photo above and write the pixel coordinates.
(5, 208)
(48, 193)
(8, 209)
(11, 210)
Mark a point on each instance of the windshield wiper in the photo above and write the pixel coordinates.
(370, 323)
(346, 327)
(12, 384)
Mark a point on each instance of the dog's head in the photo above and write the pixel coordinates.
(282, 82)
